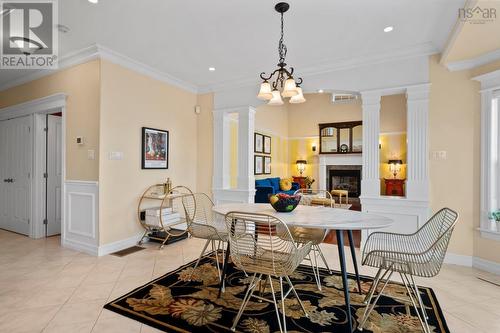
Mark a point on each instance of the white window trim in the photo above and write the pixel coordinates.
(490, 152)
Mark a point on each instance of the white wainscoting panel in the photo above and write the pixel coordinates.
(408, 215)
(80, 230)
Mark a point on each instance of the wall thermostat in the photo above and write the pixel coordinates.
(79, 140)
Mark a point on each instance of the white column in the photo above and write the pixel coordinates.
(246, 129)
(222, 141)
(322, 174)
(417, 184)
(370, 182)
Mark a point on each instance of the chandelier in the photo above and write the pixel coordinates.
(284, 80)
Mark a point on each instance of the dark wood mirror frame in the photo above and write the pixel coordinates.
(337, 127)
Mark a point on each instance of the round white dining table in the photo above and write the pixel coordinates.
(312, 216)
(315, 217)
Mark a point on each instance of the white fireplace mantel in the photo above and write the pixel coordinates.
(335, 159)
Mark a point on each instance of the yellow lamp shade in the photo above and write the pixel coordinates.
(265, 91)
(299, 98)
(276, 100)
(290, 88)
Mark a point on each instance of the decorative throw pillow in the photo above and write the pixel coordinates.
(285, 185)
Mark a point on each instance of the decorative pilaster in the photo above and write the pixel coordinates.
(246, 129)
(370, 182)
(417, 184)
(222, 137)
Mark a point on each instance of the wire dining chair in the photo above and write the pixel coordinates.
(316, 236)
(262, 244)
(202, 223)
(419, 254)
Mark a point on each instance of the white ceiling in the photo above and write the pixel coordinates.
(239, 38)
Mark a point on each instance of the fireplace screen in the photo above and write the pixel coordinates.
(349, 180)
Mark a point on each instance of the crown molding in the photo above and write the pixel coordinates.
(474, 62)
(74, 58)
(489, 81)
(417, 50)
(97, 51)
(139, 67)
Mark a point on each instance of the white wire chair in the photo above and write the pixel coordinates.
(313, 235)
(418, 254)
(202, 223)
(262, 244)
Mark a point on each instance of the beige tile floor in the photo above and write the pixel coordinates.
(47, 288)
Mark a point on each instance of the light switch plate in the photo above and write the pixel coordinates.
(116, 155)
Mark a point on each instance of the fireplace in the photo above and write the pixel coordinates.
(345, 178)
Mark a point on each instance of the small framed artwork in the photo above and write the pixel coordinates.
(267, 144)
(258, 143)
(154, 148)
(258, 165)
(267, 165)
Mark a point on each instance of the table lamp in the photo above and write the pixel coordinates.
(395, 166)
(301, 166)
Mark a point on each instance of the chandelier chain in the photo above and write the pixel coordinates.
(281, 46)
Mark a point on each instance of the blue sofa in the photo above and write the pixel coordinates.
(267, 186)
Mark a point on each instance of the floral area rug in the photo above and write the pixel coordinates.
(174, 303)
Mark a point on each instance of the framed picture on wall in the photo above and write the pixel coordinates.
(267, 165)
(258, 165)
(258, 143)
(267, 144)
(154, 148)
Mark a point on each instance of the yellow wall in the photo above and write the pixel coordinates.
(130, 101)
(303, 119)
(204, 143)
(81, 84)
(393, 113)
(454, 117)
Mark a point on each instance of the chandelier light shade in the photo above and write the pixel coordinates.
(265, 92)
(276, 100)
(299, 98)
(283, 78)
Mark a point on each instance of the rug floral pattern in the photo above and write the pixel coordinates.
(185, 300)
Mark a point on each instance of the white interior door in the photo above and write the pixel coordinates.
(16, 164)
(54, 174)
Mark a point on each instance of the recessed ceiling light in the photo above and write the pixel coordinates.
(211, 69)
(93, 1)
(63, 28)
(389, 28)
(320, 91)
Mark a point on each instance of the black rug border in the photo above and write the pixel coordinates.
(146, 320)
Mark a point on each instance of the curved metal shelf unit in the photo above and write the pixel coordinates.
(170, 214)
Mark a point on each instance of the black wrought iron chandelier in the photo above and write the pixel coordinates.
(284, 80)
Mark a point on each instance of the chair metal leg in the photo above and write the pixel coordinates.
(375, 281)
(199, 258)
(296, 295)
(224, 270)
(275, 303)
(421, 303)
(408, 287)
(354, 262)
(345, 283)
(370, 307)
(314, 266)
(324, 259)
(283, 304)
(248, 294)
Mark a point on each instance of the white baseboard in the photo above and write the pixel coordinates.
(80, 246)
(118, 245)
(458, 259)
(486, 265)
